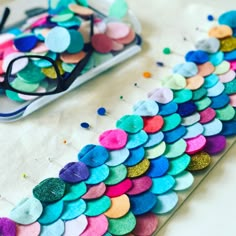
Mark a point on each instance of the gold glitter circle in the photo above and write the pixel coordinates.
(199, 161)
(139, 169)
(50, 72)
(227, 44)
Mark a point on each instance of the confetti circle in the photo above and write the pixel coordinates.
(130, 123)
(97, 225)
(140, 185)
(95, 191)
(161, 95)
(166, 203)
(58, 39)
(123, 225)
(119, 207)
(113, 139)
(146, 224)
(93, 155)
(102, 43)
(142, 203)
(162, 184)
(199, 161)
(183, 181)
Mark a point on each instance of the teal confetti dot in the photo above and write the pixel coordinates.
(130, 123)
(51, 213)
(73, 209)
(98, 206)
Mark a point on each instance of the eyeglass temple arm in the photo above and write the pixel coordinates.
(76, 72)
(4, 18)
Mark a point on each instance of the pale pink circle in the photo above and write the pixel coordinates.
(113, 139)
(7, 37)
(21, 63)
(76, 226)
(31, 97)
(2, 78)
(32, 229)
(227, 77)
(195, 145)
(161, 95)
(127, 39)
(233, 100)
(101, 27)
(117, 30)
(9, 50)
(40, 48)
(117, 46)
(97, 225)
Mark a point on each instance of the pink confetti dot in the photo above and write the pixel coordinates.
(113, 139)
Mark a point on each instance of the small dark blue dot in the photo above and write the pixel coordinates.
(159, 63)
(101, 111)
(210, 17)
(84, 125)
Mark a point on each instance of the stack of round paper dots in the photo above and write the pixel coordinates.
(64, 38)
(120, 186)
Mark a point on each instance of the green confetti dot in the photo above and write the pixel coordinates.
(203, 103)
(175, 149)
(24, 87)
(199, 93)
(116, 175)
(123, 225)
(13, 96)
(49, 190)
(166, 51)
(175, 82)
(230, 87)
(225, 114)
(171, 122)
(31, 74)
(183, 95)
(118, 9)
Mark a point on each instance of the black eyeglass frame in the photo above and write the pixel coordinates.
(62, 84)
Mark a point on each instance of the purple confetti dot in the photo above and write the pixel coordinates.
(74, 172)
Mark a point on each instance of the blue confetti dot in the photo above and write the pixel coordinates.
(210, 17)
(84, 125)
(142, 203)
(187, 108)
(160, 64)
(101, 111)
(198, 57)
(220, 101)
(174, 135)
(158, 167)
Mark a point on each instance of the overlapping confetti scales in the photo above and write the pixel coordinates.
(63, 37)
(124, 184)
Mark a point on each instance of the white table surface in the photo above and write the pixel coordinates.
(27, 144)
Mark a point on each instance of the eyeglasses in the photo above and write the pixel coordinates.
(42, 75)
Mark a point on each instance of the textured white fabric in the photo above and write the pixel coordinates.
(26, 145)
